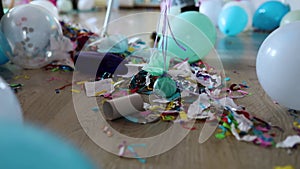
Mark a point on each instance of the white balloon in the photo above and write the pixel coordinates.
(45, 4)
(247, 6)
(257, 3)
(10, 109)
(64, 5)
(294, 4)
(292, 16)
(212, 9)
(277, 65)
(175, 10)
(85, 4)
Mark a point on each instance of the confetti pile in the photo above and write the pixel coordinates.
(200, 91)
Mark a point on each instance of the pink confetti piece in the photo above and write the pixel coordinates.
(122, 148)
(263, 143)
(263, 129)
(119, 94)
(243, 92)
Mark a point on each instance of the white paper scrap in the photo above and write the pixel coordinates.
(98, 88)
(247, 138)
(289, 142)
(133, 69)
(197, 108)
(227, 101)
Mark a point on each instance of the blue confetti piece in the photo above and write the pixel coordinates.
(138, 145)
(132, 119)
(95, 109)
(202, 106)
(227, 79)
(142, 160)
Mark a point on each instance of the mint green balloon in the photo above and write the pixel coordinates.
(290, 17)
(195, 32)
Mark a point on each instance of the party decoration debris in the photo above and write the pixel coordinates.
(129, 149)
(289, 142)
(98, 88)
(284, 167)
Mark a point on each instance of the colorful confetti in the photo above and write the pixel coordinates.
(284, 167)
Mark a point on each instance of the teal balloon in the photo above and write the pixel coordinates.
(4, 49)
(232, 20)
(269, 15)
(165, 87)
(26, 146)
(195, 32)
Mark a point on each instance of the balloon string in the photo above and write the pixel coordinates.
(172, 34)
(165, 26)
(157, 30)
(164, 33)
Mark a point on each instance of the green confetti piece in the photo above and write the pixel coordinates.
(54, 69)
(220, 136)
(227, 126)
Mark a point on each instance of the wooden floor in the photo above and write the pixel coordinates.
(56, 112)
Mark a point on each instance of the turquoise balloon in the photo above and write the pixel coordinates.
(269, 15)
(4, 49)
(195, 32)
(24, 146)
(232, 20)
